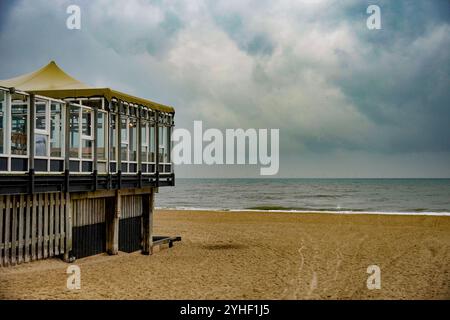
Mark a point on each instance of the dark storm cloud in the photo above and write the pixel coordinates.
(401, 86)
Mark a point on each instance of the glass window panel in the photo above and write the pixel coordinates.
(56, 130)
(124, 129)
(41, 115)
(87, 122)
(167, 144)
(113, 139)
(40, 141)
(161, 144)
(152, 144)
(133, 140)
(74, 131)
(144, 153)
(101, 166)
(19, 125)
(101, 136)
(124, 152)
(87, 151)
(144, 133)
(2, 120)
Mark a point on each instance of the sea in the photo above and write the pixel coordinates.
(345, 196)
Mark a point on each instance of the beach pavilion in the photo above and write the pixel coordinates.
(79, 168)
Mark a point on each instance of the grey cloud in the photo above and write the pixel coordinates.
(312, 70)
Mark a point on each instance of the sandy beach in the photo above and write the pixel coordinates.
(260, 255)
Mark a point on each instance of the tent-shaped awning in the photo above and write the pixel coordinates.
(52, 81)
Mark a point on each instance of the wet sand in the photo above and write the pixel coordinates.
(259, 255)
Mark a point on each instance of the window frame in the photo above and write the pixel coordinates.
(47, 132)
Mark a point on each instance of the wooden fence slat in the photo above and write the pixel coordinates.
(2, 199)
(39, 228)
(13, 230)
(74, 218)
(68, 226)
(33, 227)
(57, 231)
(63, 232)
(83, 212)
(45, 233)
(7, 233)
(52, 224)
(21, 220)
(28, 214)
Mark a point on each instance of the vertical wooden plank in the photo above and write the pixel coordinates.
(57, 231)
(68, 227)
(14, 224)
(7, 227)
(51, 225)
(40, 226)
(34, 205)
(62, 219)
(80, 212)
(45, 233)
(22, 208)
(85, 223)
(2, 206)
(94, 204)
(28, 214)
(74, 208)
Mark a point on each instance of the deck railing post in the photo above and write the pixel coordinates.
(32, 142)
(139, 148)
(119, 146)
(157, 148)
(94, 145)
(67, 147)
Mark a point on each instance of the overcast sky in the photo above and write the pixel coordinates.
(349, 102)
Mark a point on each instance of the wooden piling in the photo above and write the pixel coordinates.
(113, 209)
(147, 222)
(68, 227)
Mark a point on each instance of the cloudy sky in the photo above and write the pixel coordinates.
(349, 102)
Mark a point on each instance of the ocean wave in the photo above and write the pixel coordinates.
(324, 211)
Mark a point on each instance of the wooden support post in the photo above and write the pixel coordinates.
(148, 201)
(68, 227)
(113, 209)
(2, 243)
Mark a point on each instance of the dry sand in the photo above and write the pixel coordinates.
(251, 255)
